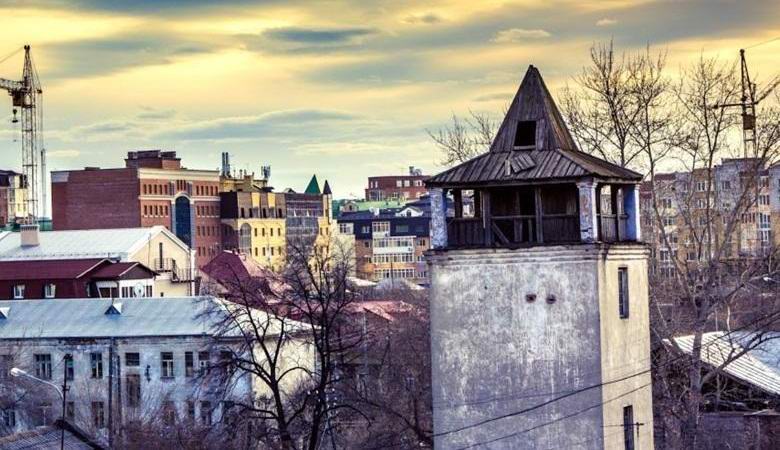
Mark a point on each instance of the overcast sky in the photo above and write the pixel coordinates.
(345, 89)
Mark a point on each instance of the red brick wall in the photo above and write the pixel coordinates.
(206, 240)
(106, 198)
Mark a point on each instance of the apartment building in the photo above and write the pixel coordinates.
(397, 187)
(390, 243)
(13, 194)
(690, 203)
(131, 360)
(152, 189)
(154, 248)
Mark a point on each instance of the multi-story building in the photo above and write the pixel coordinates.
(155, 248)
(390, 243)
(152, 189)
(397, 187)
(691, 203)
(539, 302)
(131, 361)
(261, 223)
(13, 193)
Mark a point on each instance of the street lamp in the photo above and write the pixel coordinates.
(17, 372)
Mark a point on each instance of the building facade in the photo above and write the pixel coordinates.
(539, 300)
(155, 248)
(397, 187)
(390, 243)
(13, 195)
(152, 189)
(134, 360)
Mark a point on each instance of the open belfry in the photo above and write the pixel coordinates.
(539, 299)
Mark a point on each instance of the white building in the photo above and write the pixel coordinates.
(155, 247)
(132, 360)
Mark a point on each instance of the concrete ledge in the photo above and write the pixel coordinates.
(538, 254)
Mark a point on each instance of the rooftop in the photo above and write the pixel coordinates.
(80, 244)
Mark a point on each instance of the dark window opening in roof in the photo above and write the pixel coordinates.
(525, 136)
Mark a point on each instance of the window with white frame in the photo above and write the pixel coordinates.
(701, 186)
(725, 185)
(763, 199)
(668, 221)
(398, 183)
(764, 236)
(764, 221)
(380, 227)
(346, 228)
(166, 364)
(18, 291)
(666, 203)
(49, 290)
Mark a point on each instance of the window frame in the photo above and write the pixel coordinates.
(624, 293)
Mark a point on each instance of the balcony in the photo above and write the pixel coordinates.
(164, 265)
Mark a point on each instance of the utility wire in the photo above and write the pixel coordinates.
(594, 386)
(763, 42)
(5, 58)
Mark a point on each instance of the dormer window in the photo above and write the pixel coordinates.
(525, 136)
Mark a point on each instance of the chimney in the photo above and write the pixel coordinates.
(225, 164)
(29, 235)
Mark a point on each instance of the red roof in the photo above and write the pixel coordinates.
(54, 269)
(116, 270)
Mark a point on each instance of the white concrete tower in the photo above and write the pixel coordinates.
(539, 302)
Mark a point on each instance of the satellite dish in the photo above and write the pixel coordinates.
(139, 290)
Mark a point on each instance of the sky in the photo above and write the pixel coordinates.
(344, 89)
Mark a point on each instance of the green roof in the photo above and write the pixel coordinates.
(313, 187)
(365, 205)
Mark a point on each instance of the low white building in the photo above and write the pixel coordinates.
(154, 247)
(133, 360)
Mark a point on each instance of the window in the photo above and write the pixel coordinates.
(98, 415)
(525, 135)
(18, 291)
(9, 418)
(668, 221)
(701, 203)
(701, 186)
(191, 410)
(380, 227)
(623, 292)
(43, 366)
(96, 363)
(203, 362)
(205, 413)
(402, 228)
(628, 427)
(666, 203)
(346, 228)
(189, 369)
(49, 289)
(398, 183)
(725, 185)
(70, 410)
(764, 221)
(6, 363)
(133, 390)
(763, 199)
(132, 359)
(166, 365)
(69, 369)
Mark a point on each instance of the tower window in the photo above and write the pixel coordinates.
(623, 292)
(628, 427)
(525, 136)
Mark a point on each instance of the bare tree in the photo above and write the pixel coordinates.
(287, 328)
(465, 138)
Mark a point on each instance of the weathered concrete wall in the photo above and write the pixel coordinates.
(495, 352)
(625, 346)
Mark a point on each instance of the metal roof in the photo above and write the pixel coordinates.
(51, 269)
(42, 438)
(554, 156)
(84, 318)
(759, 366)
(81, 244)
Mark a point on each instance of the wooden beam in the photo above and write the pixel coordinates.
(487, 218)
(538, 213)
(458, 199)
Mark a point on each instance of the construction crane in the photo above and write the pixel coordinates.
(26, 99)
(748, 102)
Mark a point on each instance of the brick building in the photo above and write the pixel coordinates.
(152, 189)
(397, 187)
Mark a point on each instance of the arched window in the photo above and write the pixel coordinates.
(182, 212)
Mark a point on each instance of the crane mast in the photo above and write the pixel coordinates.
(26, 98)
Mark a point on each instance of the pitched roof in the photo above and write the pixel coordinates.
(760, 366)
(313, 187)
(82, 318)
(326, 189)
(81, 244)
(51, 269)
(555, 155)
(119, 269)
(46, 438)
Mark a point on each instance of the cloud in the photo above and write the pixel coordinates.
(150, 113)
(519, 35)
(494, 97)
(307, 40)
(605, 22)
(425, 19)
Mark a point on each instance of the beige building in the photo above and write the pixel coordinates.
(13, 197)
(539, 300)
(156, 248)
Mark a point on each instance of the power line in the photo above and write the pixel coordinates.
(763, 42)
(594, 386)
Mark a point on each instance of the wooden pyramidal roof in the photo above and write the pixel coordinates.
(552, 156)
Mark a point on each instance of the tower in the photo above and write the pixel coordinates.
(539, 300)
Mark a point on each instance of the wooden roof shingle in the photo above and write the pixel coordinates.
(554, 157)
